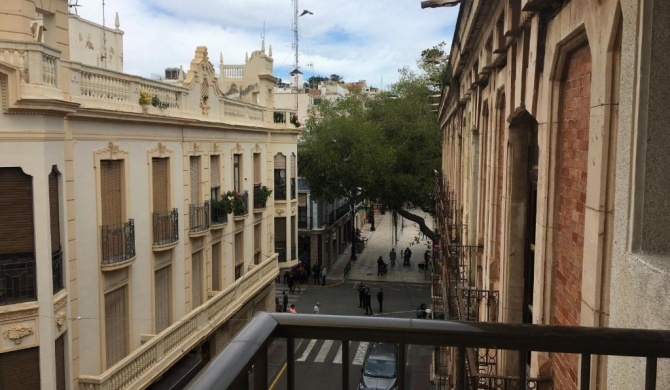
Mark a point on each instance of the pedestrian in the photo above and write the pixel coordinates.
(292, 309)
(380, 299)
(368, 301)
(278, 306)
(392, 256)
(380, 266)
(408, 256)
(323, 276)
(361, 295)
(316, 308)
(290, 283)
(316, 273)
(285, 299)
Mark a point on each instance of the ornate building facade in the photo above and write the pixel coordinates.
(119, 260)
(552, 208)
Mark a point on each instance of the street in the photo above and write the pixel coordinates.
(318, 362)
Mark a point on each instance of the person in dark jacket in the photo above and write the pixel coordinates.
(392, 257)
(380, 299)
(361, 295)
(368, 302)
(285, 298)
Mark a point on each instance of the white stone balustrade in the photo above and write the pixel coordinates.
(164, 349)
(233, 71)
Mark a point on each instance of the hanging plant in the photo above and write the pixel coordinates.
(232, 202)
(295, 121)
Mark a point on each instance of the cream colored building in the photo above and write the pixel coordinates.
(555, 188)
(115, 262)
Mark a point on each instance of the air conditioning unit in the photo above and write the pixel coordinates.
(439, 3)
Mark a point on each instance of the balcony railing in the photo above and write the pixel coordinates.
(198, 218)
(139, 369)
(245, 201)
(234, 366)
(17, 279)
(280, 192)
(280, 248)
(118, 242)
(218, 214)
(293, 188)
(57, 271)
(166, 227)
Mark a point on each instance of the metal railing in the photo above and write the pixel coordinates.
(280, 248)
(166, 227)
(259, 203)
(246, 356)
(57, 272)
(17, 279)
(280, 192)
(218, 214)
(118, 242)
(198, 218)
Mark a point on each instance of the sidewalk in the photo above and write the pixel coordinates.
(380, 243)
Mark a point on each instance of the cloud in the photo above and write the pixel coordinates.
(359, 40)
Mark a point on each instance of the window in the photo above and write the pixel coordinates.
(163, 298)
(54, 216)
(111, 189)
(293, 175)
(196, 279)
(280, 238)
(237, 172)
(257, 243)
(302, 211)
(257, 168)
(280, 177)
(294, 238)
(238, 271)
(116, 325)
(215, 177)
(216, 266)
(159, 170)
(195, 179)
(239, 248)
(20, 369)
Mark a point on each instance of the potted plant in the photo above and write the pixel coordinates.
(146, 98)
(232, 202)
(261, 195)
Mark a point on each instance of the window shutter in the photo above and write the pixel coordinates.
(160, 184)
(60, 362)
(20, 370)
(257, 167)
(111, 198)
(216, 172)
(162, 284)
(239, 248)
(195, 180)
(216, 266)
(196, 279)
(280, 161)
(54, 214)
(293, 165)
(116, 327)
(16, 211)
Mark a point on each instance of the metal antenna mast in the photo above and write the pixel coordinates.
(104, 37)
(295, 31)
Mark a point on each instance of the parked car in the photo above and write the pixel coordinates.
(380, 368)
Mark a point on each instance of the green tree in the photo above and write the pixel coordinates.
(433, 62)
(386, 148)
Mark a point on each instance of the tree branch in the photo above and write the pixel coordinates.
(418, 220)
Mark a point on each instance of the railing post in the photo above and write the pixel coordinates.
(650, 373)
(585, 372)
(522, 369)
(345, 366)
(290, 363)
(460, 369)
(401, 366)
(261, 368)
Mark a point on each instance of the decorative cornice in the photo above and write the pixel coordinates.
(16, 333)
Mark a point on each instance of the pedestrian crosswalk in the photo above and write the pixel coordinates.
(329, 351)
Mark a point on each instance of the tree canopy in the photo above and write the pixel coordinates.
(386, 148)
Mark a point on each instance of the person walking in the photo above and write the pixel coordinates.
(285, 300)
(361, 295)
(316, 308)
(292, 309)
(392, 257)
(316, 271)
(368, 302)
(323, 276)
(380, 299)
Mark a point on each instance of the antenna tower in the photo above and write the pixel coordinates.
(104, 37)
(295, 31)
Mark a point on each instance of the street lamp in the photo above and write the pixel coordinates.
(439, 3)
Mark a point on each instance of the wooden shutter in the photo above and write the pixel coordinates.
(16, 212)
(257, 167)
(280, 161)
(111, 186)
(116, 326)
(239, 248)
(20, 370)
(216, 266)
(293, 166)
(215, 171)
(280, 229)
(163, 302)
(302, 200)
(60, 362)
(257, 237)
(294, 238)
(160, 169)
(237, 172)
(196, 279)
(195, 179)
(54, 214)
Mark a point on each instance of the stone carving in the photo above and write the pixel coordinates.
(292, 210)
(17, 332)
(280, 211)
(60, 319)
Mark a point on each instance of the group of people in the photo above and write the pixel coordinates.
(319, 274)
(282, 306)
(298, 275)
(365, 299)
(382, 268)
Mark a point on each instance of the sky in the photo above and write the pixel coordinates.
(356, 39)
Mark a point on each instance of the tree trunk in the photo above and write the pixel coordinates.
(420, 221)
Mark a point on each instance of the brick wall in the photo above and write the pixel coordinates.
(573, 144)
